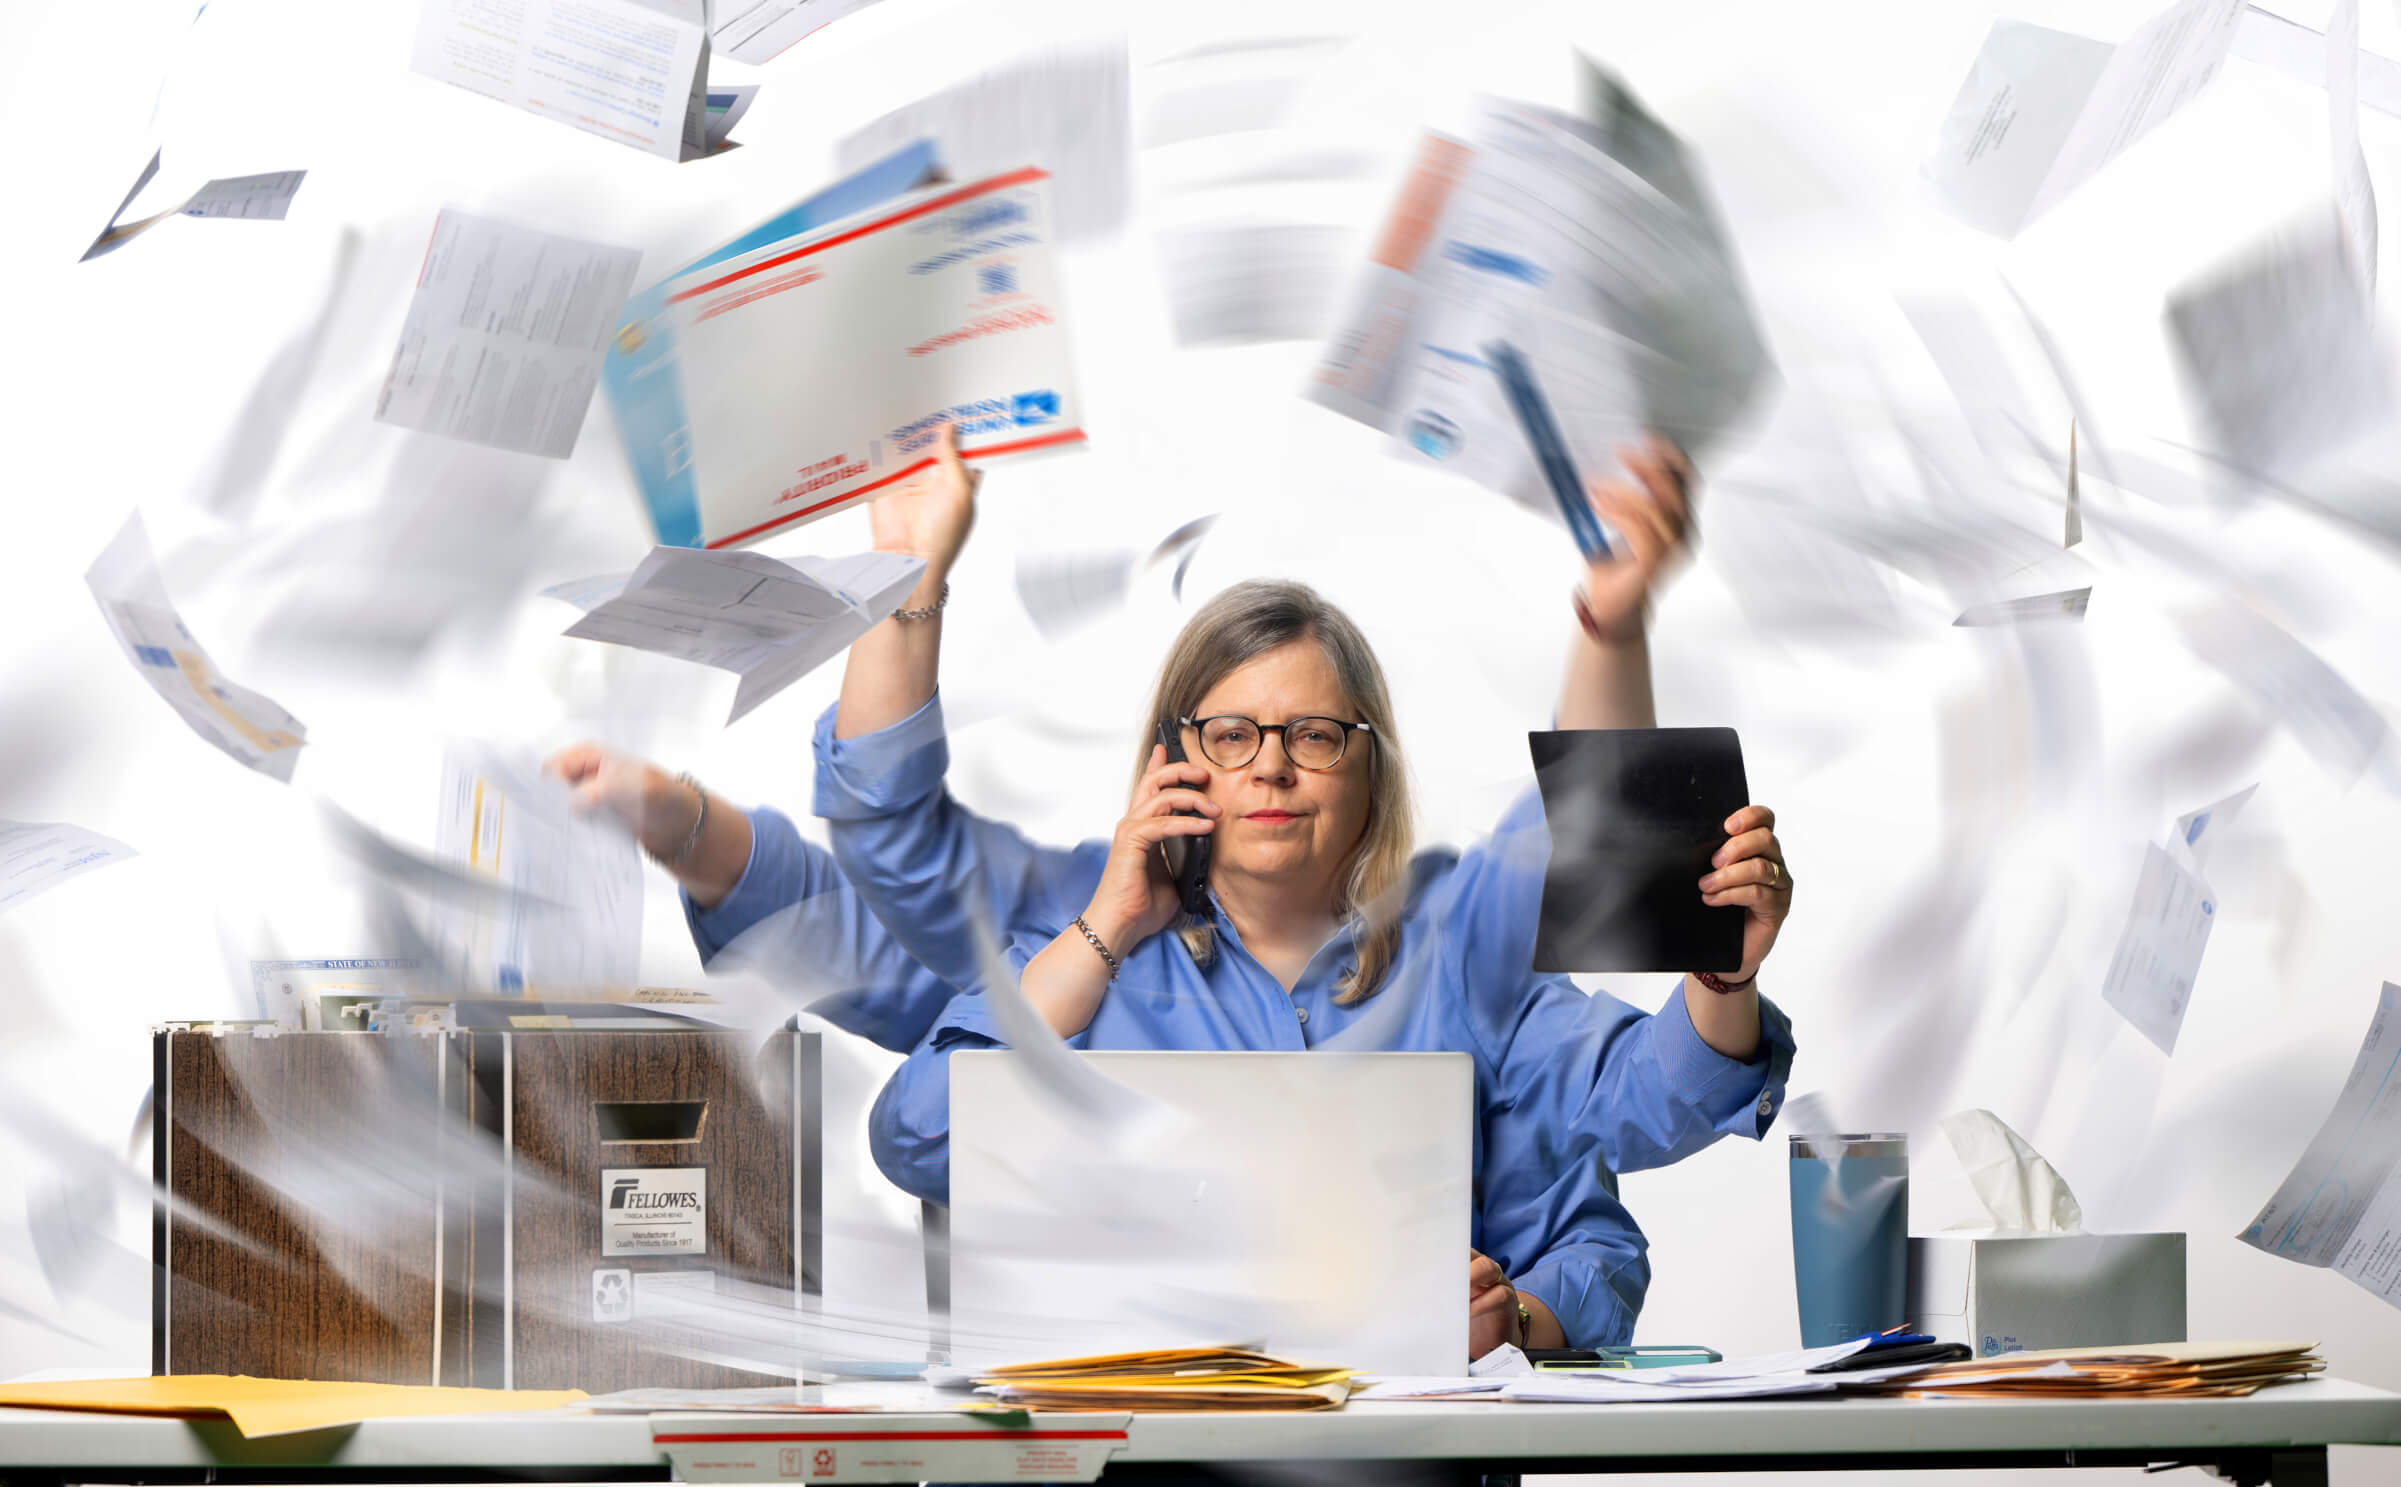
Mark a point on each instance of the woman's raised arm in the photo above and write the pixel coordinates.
(892, 668)
(1608, 683)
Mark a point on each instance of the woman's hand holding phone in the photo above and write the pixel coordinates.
(1137, 896)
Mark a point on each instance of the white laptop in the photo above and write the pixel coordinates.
(1313, 1203)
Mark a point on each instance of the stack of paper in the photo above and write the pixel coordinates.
(2186, 1370)
(1169, 1379)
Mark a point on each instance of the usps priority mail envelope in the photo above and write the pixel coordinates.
(815, 371)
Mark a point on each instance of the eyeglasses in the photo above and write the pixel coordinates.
(1230, 741)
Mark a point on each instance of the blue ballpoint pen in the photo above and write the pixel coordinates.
(1550, 450)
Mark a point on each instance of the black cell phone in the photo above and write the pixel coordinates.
(1916, 1352)
(1187, 856)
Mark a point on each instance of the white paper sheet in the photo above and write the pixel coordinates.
(2150, 978)
(2041, 111)
(36, 856)
(572, 922)
(2340, 1208)
(754, 31)
(133, 599)
(2279, 349)
(632, 71)
(2198, 831)
(769, 621)
(260, 198)
(939, 307)
(2299, 53)
(2068, 605)
(504, 340)
(1063, 109)
(1584, 242)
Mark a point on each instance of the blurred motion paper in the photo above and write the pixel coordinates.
(2041, 110)
(2150, 978)
(37, 855)
(504, 338)
(573, 918)
(633, 71)
(2340, 1208)
(133, 599)
(768, 621)
(813, 370)
(1586, 242)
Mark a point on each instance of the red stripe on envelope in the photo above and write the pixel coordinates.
(935, 204)
(1045, 441)
(1002, 1435)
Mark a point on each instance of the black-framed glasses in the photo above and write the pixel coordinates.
(1230, 740)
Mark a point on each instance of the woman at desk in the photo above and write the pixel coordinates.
(1315, 905)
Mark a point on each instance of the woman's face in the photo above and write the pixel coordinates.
(1282, 821)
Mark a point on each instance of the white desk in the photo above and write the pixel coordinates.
(2278, 1435)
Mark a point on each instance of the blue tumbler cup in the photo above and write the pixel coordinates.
(1850, 1234)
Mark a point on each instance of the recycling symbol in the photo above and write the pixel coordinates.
(612, 1296)
(822, 1464)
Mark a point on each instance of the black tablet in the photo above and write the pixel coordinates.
(1635, 815)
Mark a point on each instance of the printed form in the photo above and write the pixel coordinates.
(633, 71)
(767, 621)
(133, 599)
(36, 856)
(1586, 243)
(504, 340)
(2042, 110)
(572, 919)
(2341, 1209)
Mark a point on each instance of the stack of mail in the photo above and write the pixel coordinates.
(1169, 1379)
(2184, 1370)
(1589, 244)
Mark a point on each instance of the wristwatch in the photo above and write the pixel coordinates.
(1525, 1324)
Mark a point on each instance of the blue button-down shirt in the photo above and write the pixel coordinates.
(795, 918)
(1570, 1088)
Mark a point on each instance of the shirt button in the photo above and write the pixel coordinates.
(1767, 1102)
(1303, 1014)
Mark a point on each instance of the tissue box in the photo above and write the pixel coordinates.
(2001, 1294)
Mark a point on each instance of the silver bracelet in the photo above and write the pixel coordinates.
(926, 613)
(691, 842)
(1097, 945)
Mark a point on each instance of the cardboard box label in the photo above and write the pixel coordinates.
(654, 1211)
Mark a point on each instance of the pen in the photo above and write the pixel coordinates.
(1550, 450)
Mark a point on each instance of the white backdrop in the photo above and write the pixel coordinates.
(1964, 813)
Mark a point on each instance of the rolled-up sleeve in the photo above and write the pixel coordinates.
(908, 1130)
(943, 879)
(783, 870)
(794, 919)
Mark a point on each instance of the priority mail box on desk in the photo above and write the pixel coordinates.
(2008, 1293)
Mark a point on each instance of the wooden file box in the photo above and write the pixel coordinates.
(436, 1207)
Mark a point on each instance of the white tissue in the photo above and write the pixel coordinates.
(2024, 1193)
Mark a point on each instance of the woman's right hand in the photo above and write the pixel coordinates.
(1137, 897)
(655, 806)
(930, 515)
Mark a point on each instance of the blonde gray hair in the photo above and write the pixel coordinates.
(1237, 627)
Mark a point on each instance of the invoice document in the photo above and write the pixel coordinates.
(504, 339)
(571, 921)
(634, 71)
(2341, 1209)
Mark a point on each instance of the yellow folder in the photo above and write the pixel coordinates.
(273, 1406)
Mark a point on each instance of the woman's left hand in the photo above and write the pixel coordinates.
(1492, 1308)
(1748, 871)
(1650, 508)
